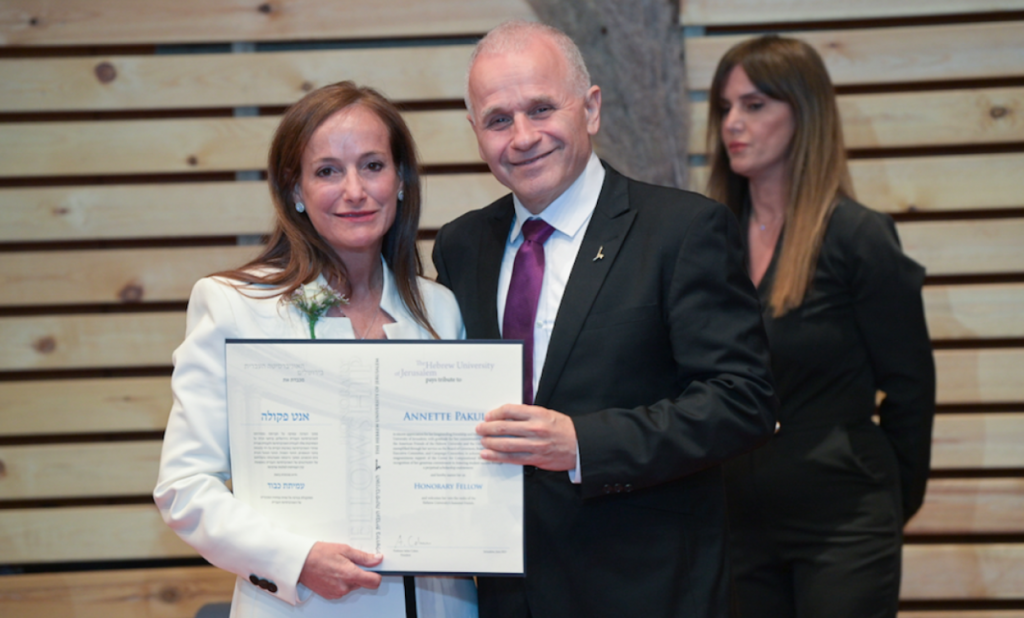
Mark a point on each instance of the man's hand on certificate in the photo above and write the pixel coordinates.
(332, 570)
(529, 436)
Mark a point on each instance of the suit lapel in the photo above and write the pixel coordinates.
(608, 226)
(492, 250)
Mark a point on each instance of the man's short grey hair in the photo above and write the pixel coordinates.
(516, 35)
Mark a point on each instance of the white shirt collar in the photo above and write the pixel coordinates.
(570, 210)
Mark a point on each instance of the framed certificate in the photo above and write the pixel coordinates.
(373, 444)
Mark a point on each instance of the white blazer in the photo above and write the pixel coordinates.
(192, 492)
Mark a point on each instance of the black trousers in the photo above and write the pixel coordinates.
(815, 527)
(850, 576)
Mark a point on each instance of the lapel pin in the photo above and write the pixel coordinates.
(599, 256)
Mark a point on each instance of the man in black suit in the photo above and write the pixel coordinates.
(649, 359)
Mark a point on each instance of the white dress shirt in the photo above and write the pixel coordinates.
(569, 214)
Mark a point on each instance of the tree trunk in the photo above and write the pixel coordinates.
(634, 51)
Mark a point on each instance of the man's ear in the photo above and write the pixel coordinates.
(592, 106)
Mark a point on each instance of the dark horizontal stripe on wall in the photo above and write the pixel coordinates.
(184, 112)
(976, 344)
(972, 605)
(979, 408)
(927, 86)
(119, 179)
(86, 374)
(960, 215)
(141, 114)
(962, 539)
(224, 47)
(974, 473)
(92, 309)
(127, 243)
(57, 51)
(81, 438)
(105, 565)
(856, 24)
(926, 151)
(48, 503)
(969, 279)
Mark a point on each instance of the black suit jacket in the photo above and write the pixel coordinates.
(659, 356)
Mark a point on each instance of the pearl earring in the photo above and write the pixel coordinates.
(401, 194)
(299, 206)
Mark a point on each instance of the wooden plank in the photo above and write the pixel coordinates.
(114, 212)
(913, 119)
(110, 22)
(975, 311)
(101, 469)
(889, 55)
(973, 441)
(961, 572)
(227, 80)
(113, 276)
(448, 196)
(193, 209)
(104, 405)
(120, 276)
(425, 248)
(137, 593)
(964, 614)
(952, 506)
(167, 275)
(971, 506)
(932, 184)
(969, 613)
(927, 184)
(147, 339)
(72, 534)
(980, 376)
(965, 247)
(136, 532)
(85, 341)
(191, 145)
(734, 12)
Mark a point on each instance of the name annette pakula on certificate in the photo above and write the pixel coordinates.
(373, 444)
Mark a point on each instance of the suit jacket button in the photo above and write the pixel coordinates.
(271, 587)
(255, 580)
(629, 488)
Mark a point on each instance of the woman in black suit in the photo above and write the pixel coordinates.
(816, 515)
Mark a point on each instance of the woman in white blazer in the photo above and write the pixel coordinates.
(345, 183)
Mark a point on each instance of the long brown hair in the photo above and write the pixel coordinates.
(296, 254)
(788, 70)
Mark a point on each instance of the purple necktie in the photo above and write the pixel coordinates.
(524, 293)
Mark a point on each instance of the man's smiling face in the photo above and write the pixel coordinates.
(532, 128)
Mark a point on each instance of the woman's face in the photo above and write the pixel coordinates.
(756, 129)
(349, 182)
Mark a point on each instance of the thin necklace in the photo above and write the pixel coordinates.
(376, 316)
(763, 226)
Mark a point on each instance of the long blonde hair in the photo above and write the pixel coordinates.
(787, 70)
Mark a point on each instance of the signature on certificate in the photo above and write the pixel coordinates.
(410, 541)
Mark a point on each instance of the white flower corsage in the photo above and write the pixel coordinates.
(314, 300)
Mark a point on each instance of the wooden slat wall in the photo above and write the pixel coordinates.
(108, 22)
(736, 12)
(104, 212)
(931, 96)
(226, 80)
(114, 199)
